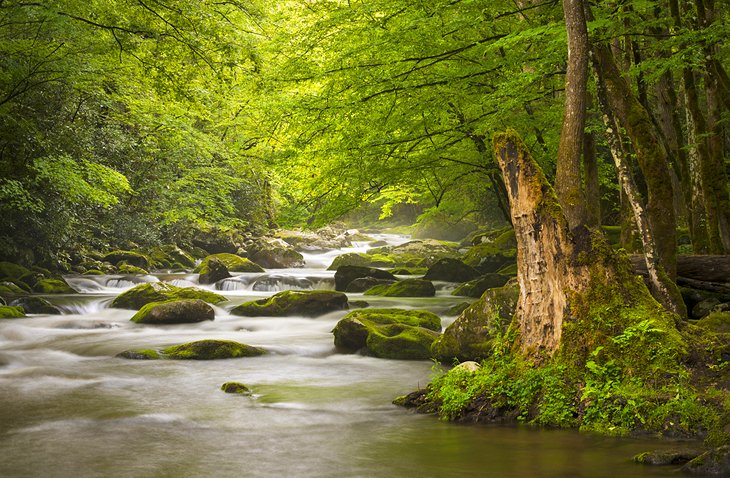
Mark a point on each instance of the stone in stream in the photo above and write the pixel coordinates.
(364, 283)
(309, 303)
(11, 312)
(715, 462)
(36, 305)
(404, 288)
(185, 311)
(667, 457)
(346, 274)
(232, 262)
(236, 387)
(451, 270)
(211, 350)
(128, 257)
(53, 286)
(388, 333)
(143, 294)
(475, 288)
(214, 271)
(273, 253)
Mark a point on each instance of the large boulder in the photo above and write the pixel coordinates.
(53, 286)
(715, 462)
(308, 303)
(217, 240)
(128, 257)
(185, 311)
(475, 288)
(716, 322)
(213, 271)
(141, 295)
(11, 312)
(423, 253)
(347, 274)
(170, 256)
(12, 270)
(388, 333)
(404, 288)
(470, 336)
(275, 254)
(364, 283)
(361, 259)
(211, 350)
(36, 305)
(492, 254)
(451, 270)
(233, 263)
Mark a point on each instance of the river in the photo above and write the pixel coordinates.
(70, 408)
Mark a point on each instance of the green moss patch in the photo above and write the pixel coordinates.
(138, 296)
(232, 262)
(211, 350)
(404, 288)
(291, 302)
(11, 312)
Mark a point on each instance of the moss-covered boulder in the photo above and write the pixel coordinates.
(347, 274)
(236, 387)
(211, 350)
(716, 322)
(475, 288)
(53, 286)
(388, 333)
(364, 283)
(404, 288)
(185, 311)
(362, 260)
(11, 312)
(715, 462)
(408, 271)
(213, 271)
(11, 288)
(470, 336)
(309, 303)
(35, 305)
(12, 270)
(451, 270)
(168, 255)
(216, 240)
(421, 253)
(667, 457)
(232, 262)
(128, 257)
(143, 294)
(125, 268)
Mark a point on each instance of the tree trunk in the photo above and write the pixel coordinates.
(568, 184)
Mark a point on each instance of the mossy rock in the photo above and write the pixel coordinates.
(475, 288)
(272, 255)
(408, 271)
(213, 271)
(9, 287)
(716, 322)
(308, 303)
(140, 354)
(451, 270)
(11, 312)
(715, 462)
(508, 270)
(36, 305)
(211, 350)
(128, 257)
(470, 336)
(404, 288)
(232, 262)
(667, 457)
(93, 272)
(12, 270)
(185, 311)
(420, 253)
(125, 268)
(346, 274)
(53, 286)
(168, 255)
(362, 284)
(362, 260)
(141, 295)
(388, 333)
(236, 387)
(486, 258)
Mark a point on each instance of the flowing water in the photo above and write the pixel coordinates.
(70, 408)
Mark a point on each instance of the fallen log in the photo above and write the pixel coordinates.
(699, 268)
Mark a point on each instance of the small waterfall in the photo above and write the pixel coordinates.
(276, 283)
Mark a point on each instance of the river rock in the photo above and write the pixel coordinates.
(128, 257)
(12, 270)
(309, 303)
(404, 288)
(716, 322)
(275, 254)
(236, 387)
(125, 268)
(36, 305)
(364, 283)
(141, 295)
(704, 307)
(715, 462)
(168, 255)
(475, 288)
(53, 286)
(493, 253)
(470, 336)
(362, 260)
(233, 263)
(451, 270)
(347, 274)
(667, 457)
(186, 311)
(11, 312)
(140, 354)
(11, 288)
(213, 271)
(216, 240)
(211, 350)
(388, 333)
